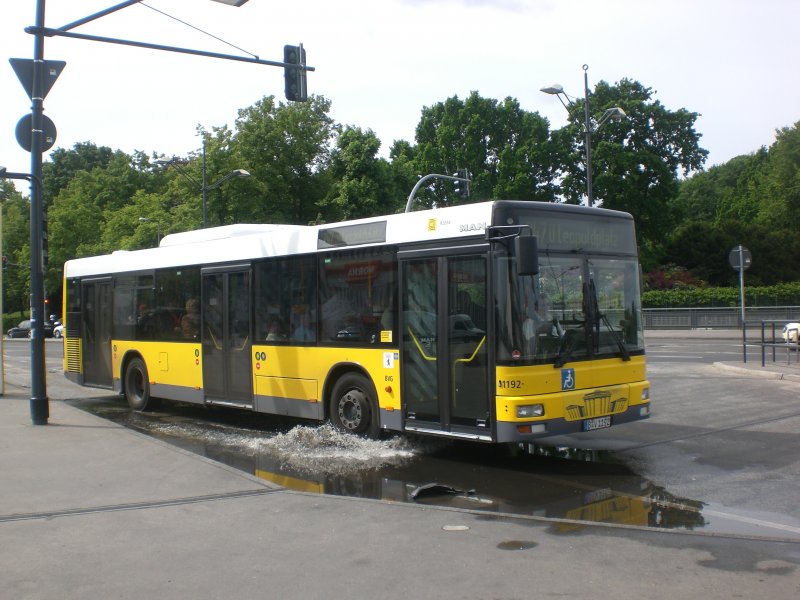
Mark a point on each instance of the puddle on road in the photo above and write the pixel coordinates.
(574, 485)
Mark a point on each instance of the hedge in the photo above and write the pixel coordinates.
(782, 294)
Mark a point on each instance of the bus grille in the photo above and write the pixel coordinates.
(73, 361)
(596, 404)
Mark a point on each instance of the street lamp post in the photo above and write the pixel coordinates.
(203, 187)
(614, 112)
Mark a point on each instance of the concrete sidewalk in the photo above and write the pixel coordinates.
(89, 509)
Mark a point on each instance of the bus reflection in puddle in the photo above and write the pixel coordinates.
(571, 485)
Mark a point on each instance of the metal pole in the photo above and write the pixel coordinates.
(205, 188)
(588, 134)
(741, 296)
(2, 350)
(40, 409)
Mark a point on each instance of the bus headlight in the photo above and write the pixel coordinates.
(646, 393)
(530, 410)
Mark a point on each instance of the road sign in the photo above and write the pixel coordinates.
(25, 127)
(23, 67)
(740, 257)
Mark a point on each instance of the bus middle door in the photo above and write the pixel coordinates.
(226, 341)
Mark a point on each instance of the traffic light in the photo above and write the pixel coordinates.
(461, 185)
(294, 78)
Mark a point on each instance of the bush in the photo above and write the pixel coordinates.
(782, 294)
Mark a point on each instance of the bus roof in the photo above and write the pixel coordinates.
(244, 242)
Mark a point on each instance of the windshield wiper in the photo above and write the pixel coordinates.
(566, 348)
(601, 317)
(615, 336)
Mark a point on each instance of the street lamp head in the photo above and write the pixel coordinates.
(554, 89)
(236, 3)
(241, 173)
(615, 112)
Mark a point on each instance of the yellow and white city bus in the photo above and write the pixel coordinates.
(500, 321)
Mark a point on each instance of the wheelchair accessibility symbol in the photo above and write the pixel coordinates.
(567, 379)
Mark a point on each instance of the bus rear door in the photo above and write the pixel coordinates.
(444, 349)
(96, 332)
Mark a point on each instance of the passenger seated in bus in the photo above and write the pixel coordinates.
(275, 331)
(303, 332)
(190, 322)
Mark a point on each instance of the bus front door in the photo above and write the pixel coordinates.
(445, 367)
(96, 333)
(226, 341)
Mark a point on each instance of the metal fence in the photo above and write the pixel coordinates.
(716, 318)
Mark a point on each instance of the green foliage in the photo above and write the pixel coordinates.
(783, 294)
(16, 248)
(505, 149)
(752, 200)
(636, 161)
(362, 183)
(286, 148)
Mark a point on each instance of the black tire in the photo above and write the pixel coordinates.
(353, 406)
(57, 334)
(137, 386)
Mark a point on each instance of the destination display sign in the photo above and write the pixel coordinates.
(579, 233)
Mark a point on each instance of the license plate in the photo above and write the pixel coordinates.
(598, 423)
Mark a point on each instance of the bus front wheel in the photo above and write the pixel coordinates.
(354, 405)
(137, 386)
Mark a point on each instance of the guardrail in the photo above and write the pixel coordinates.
(715, 318)
(776, 342)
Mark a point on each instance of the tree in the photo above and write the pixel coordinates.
(287, 149)
(16, 248)
(780, 194)
(64, 164)
(79, 214)
(504, 148)
(361, 182)
(637, 161)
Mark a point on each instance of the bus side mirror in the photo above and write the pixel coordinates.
(526, 249)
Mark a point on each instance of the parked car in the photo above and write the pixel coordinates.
(23, 330)
(58, 331)
(791, 332)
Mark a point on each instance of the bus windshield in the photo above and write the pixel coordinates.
(579, 306)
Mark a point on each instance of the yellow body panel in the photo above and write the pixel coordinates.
(300, 372)
(601, 388)
(169, 363)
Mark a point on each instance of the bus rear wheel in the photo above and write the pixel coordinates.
(137, 386)
(353, 406)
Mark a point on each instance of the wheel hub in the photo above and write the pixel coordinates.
(350, 413)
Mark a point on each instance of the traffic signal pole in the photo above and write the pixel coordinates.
(40, 407)
(37, 78)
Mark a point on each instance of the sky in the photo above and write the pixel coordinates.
(380, 62)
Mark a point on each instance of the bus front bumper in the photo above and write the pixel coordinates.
(530, 431)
